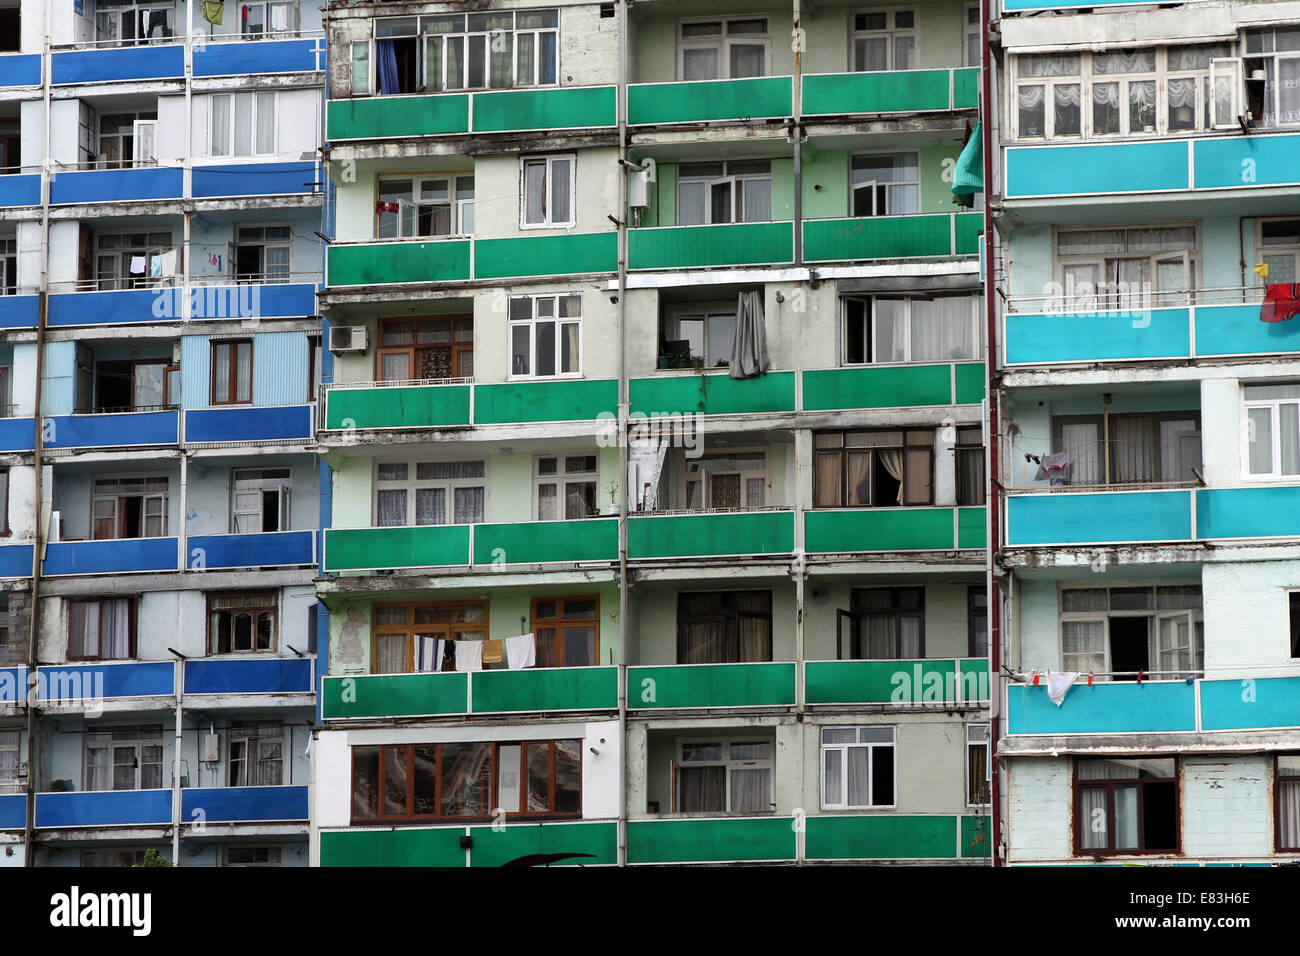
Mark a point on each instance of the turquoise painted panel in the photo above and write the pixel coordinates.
(1237, 330)
(1251, 703)
(1101, 169)
(1038, 337)
(709, 100)
(1270, 512)
(1150, 707)
(1247, 161)
(1115, 516)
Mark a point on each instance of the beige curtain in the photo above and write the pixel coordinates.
(892, 459)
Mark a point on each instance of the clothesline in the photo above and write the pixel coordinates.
(431, 653)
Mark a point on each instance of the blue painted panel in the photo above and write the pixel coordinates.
(103, 808)
(1237, 330)
(102, 557)
(1082, 170)
(20, 311)
(265, 676)
(253, 179)
(20, 69)
(124, 63)
(233, 804)
(250, 550)
(1247, 161)
(151, 679)
(249, 423)
(1082, 518)
(258, 56)
(108, 308)
(1253, 703)
(116, 185)
(1081, 337)
(1149, 707)
(112, 431)
(1268, 512)
(17, 434)
(13, 684)
(20, 189)
(13, 811)
(273, 301)
(15, 561)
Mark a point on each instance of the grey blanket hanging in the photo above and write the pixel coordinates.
(749, 348)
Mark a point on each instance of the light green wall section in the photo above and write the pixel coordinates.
(351, 495)
(657, 620)
(782, 189)
(940, 37)
(829, 169)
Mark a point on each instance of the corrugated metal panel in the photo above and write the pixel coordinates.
(196, 371)
(60, 377)
(280, 368)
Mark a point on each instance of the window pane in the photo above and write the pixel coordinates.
(394, 781)
(882, 776)
(466, 779)
(560, 198)
(1259, 440)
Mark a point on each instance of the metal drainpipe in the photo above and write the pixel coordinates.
(179, 682)
(796, 85)
(800, 568)
(623, 401)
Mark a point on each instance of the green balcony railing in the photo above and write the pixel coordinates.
(490, 845)
(544, 689)
(929, 681)
(692, 686)
(710, 535)
(896, 837)
(387, 263)
(725, 840)
(406, 406)
(700, 247)
(893, 386)
(712, 393)
(659, 104)
(377, 549)
(901, 91)
(394, 695)
(846, 530)
(541, 542)
(926, 236)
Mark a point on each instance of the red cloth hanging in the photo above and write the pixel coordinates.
(1139, 677)
(1089, 680)
(382, 207)
(1035, 678)
(245, 11)
(1281, 302)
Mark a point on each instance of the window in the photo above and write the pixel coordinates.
(259, 500)
(132, 385)
(882, 624)
(9, 759)
(102, 629)
(874, 469)
(884, 40)
(117, 858)
(264, 18)
(243, 124)
(263, 253)
(125, 757)
(879, 329)
(404, 634)
(977, 765)
(418, 493)
(242, 622)
(1271, 430)
(722, 49)
(134, 21)
(1125, 269)
(973, 43)
(1287, 812)
(9, 648)
(1121, 449)
(8, 266)
(256, 753)
(1048, 96)
(6, 392)
(126, 140)
(724, 776)
(977, 621)
(254, 856)
(4, 501)
(1293, 606)
(730, 627)
(547, 185)
(531, 778)
(857, 767)
(733, 191)
(1277, 245)
(129, 508)
(315, 366)
(433, 206)
(1277, 53)
(426, 349)
(1125, 806)
(546, 335)
(1122, 632)
(567, 631)
(566, 487)
(232, 372)
(126, 260)
(700, 336)
(969, 452)
(886, 184)
(729, 482)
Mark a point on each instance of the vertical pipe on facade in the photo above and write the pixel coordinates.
(796, 88)
(796, 128)
(623, 401)
(993, 601)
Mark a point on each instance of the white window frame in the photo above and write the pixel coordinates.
(726, 761)
(11, 742)
(970, 29)
(264, 277)
(737, 184)
(1153, 614)
(1275, 433)
(268, 21)
(158, 498)
(1264, 251)
(411, 484)
(244, 771)
(467, 36)
(1103, 301)
(705, 479)
(260, 100)
(120, 255)
(280, 487)
(976, 730)
(138, 742)
(8, 266)
(461, 211)
(890, 33)
(531, 323)
(841, 801)
(561, 478)
(722, 43)
(870, 331)
(274, 856)
(548, 222)
(1272, 107)
(873, 184)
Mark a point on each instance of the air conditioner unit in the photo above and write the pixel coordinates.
(348, 338)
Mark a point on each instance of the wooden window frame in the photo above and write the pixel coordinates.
(5, 531)
(984, 786)
(724, 615)
(410, 628)
(958, 449)
(231, 388)
(254, 609)
(1109, 785)
(133, 626)
(457, 349)
(560, 622)
(841, 452)
(896, 610)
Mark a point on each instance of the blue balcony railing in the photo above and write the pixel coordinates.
(109, 557)
(244, 804)
(267, 675)
(104, 808)
(19, 311)
(115, 307)
(17, 434)
(20, 69)
(107, 680)
(116, 185)
(20, 189)
(255, 179)
(15, 560)
(261, 56)
(249, 423)
(112, 430)
(13, 811)
(265, 549)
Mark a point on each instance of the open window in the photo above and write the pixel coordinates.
(256, 753)
(133, 260)
(722, 192)
(858, 767)
(882, 624)
(129, 508)
(405, 635)
(873, 468)
(259, 500)
(732, 481)
(134, 21)
(425, 206)
(1125, 805)
(262, 254)
(1119, 633)
(1118, 269)
(880, 329)
(127, 139)
(886, 184)
(263, 18)
(243, 622)
(8, 267)
(124, 757)
(566, 486)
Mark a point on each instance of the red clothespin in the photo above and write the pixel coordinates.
(1089, 680)
(1035, 678)
(1139, 677)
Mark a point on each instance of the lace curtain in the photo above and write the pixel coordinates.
(1048, 65)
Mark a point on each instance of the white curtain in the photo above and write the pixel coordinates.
(1092, 813)
(756, 200)
(390, 654)
(1048, 65)
(1288, 420)
(1288, 811)
(1143, 61)
(1132, 442)
(700, 789)
(1083, 646)
(243, 124)
(265, 123)
(220, 126)
(84, 626)
(871, 54)
(1082, 443)
(747, 59)
(1141, 105)
(859, 776)
(750, 790)
(892, 459)
(469, 505)
(97, 769)
(700, 64)
(888, 327)
(115, 640)
(392, 508)
(1180, 450)
(833, 771)
(942, 329)
(749, 346)
(430, 506)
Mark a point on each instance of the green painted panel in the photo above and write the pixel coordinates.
(965, 88)
(499, 847)
(971, 531)
(885, 92)
(970, 225)
(384, 117)
(384, 262)
(879, 529)
(439, 846)
(907, 682)
(970, 383)
(574, 107)
(546, 688)
(711, 685)
(369, 549)
(394, 695)
(976, 837)
(407, 407)
(974, 676)
(879, 237)
(571, 401)
(712, 394)
(709, 841)
(659, 103)
(888, 386)
(575, 254)
(538, 542)
(691, 247)
(684, 536)
(880, 837)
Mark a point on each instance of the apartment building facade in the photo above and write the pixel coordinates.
(161, 205)
(658, 337)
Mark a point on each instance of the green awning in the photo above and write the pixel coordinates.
(968, 177)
